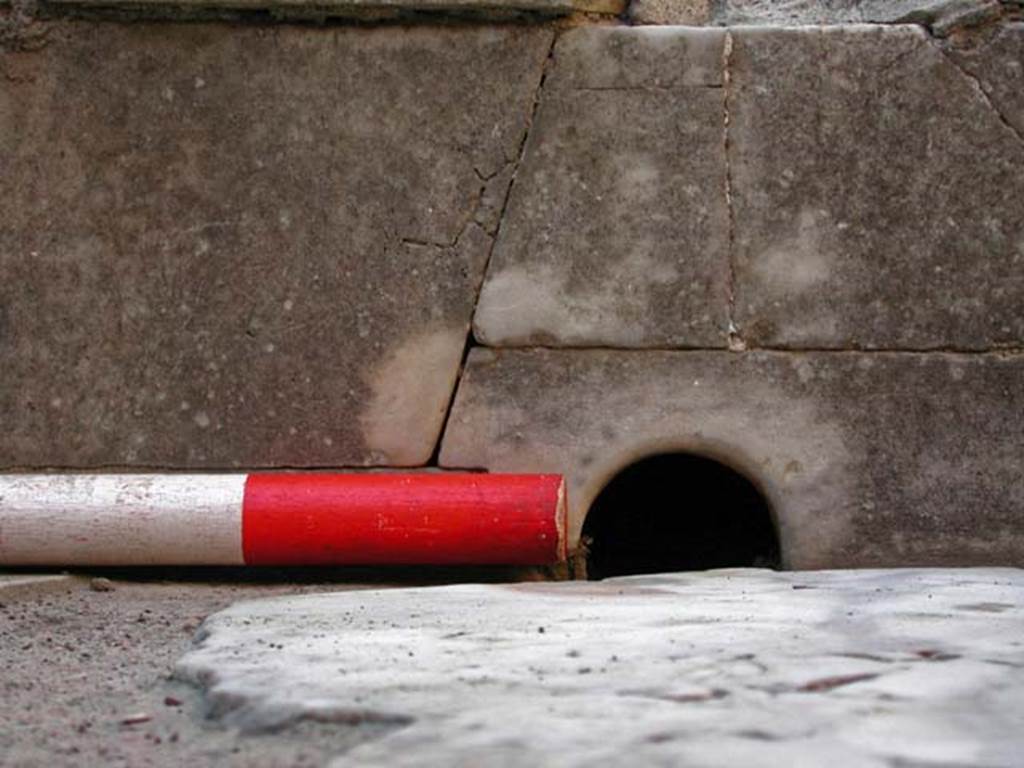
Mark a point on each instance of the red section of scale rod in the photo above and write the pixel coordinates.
(403, 519)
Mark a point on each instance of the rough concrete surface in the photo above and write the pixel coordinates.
(879, 204)
(617, 227)
(753, 668)
(240, 245)
(866, 460)
(85, 679)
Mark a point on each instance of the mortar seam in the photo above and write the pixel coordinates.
(734, 338)
(1007, 351)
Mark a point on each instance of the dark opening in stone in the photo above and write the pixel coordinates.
(678, 512)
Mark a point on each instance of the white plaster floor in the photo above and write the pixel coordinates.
(904, 668)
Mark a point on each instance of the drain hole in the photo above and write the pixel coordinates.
(678, 512)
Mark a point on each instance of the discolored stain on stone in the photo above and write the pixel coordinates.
(880, 204)
(887, 459)
(205, 250)
(416, 375)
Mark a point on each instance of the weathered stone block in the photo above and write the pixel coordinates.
(226, 246)
(616, 229)
(867, 459)
(878, 197)
(735, 667)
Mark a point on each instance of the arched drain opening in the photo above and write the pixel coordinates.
(678, 512)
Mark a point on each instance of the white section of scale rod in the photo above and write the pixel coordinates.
(121, 519)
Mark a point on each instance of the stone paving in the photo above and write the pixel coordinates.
(737, 667)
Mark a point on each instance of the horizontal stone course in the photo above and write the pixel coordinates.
(360, 8)
(846, 187)
(866, 459)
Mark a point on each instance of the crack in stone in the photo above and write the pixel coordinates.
(470, 219)
(515, 164)
(977, 84)
(643, 88)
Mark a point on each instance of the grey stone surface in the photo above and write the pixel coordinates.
(878, 204)
(864, 669)
(873, 177)
(686, 12)
(867, 460)
(229, 246)
(369, 8)
(616, 229)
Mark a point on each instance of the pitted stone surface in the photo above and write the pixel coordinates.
(881, 203)
(254, 246)
(617, 227)
(866, 460)
(867, 669)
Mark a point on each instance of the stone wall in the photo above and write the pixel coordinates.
(531, 237)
